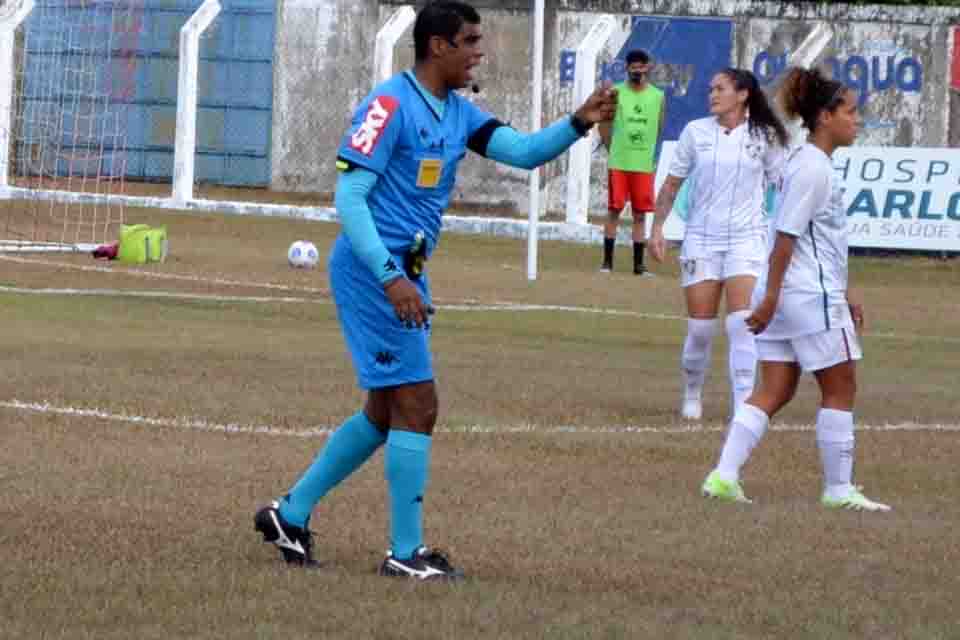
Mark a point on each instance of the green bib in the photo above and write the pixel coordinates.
(635, 128)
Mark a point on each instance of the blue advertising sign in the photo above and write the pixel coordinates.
(687, 53)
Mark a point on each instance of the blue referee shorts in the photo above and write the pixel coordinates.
(385, 353)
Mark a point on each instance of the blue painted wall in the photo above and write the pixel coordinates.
(137, 77)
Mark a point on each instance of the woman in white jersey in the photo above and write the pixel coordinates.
(803, 316)
(730, 158)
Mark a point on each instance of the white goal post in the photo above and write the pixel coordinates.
(185, 146)
(584, 83)
(62, 126)
(64, 188)
(9, 21)
(386, 41)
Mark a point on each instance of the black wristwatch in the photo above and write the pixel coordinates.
(582, 127)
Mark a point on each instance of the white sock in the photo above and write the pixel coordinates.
(696, 355)
(836, 442)
(743, 357)
(746, 429)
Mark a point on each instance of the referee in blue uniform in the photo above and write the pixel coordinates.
(397, 166)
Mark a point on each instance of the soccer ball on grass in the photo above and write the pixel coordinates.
(303, 255)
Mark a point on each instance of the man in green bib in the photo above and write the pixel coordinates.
(632, 143)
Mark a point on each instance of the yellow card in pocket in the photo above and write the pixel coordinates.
(428, 176)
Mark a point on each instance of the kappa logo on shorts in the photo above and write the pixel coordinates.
(379, 112)
(385, 358)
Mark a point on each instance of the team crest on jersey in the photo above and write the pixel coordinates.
(755, 149)
(378, 116)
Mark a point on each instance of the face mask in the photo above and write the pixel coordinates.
(637, 76)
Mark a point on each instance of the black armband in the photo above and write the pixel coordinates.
(481, 137)
(582, 127)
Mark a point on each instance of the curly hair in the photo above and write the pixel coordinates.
(807, 92)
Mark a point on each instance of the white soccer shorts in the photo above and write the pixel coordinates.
(814, 352)
(720, 265)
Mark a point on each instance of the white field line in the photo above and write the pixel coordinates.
(462, 305)
(458, 305)
(171, 295)
(135, 273)
(199, 424)
(520, 307)
(496, 306)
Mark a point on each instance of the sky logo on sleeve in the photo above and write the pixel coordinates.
(379, 112)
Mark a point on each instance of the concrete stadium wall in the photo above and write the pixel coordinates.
(902, 59)
(323, 65)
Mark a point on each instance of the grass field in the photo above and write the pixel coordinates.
(147, 412)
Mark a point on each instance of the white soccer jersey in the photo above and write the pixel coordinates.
(729, 170)
(810, 207)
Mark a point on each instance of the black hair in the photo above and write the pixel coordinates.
(761, 118)
(443, 19)
(807, 92)
(638, 55)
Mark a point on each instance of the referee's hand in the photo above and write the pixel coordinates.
(600, 106)
(407, 303)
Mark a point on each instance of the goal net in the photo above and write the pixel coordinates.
(73, 74)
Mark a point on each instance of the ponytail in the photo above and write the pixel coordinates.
(761, 119)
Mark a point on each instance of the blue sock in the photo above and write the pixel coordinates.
(407, 466)
(348, 448)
